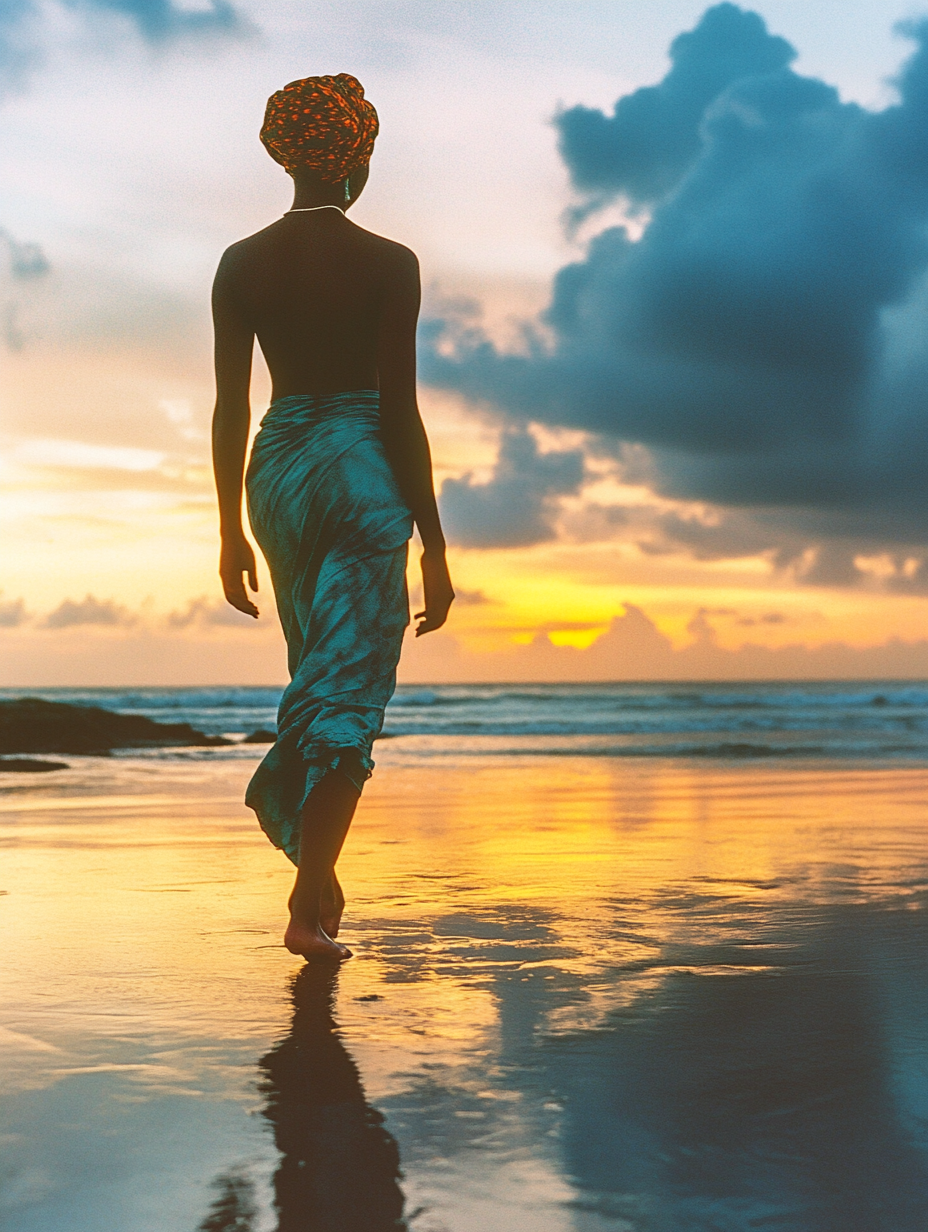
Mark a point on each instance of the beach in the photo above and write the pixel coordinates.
(589, 991)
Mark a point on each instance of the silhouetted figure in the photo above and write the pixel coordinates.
(340, 1169)
(338, 474)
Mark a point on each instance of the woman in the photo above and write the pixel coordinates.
(339, 472)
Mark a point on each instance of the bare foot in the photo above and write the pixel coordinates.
(331, 907)
(313, 942)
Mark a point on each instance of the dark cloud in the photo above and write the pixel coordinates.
(766, 336)
(517, 506)
(22, 36)
(90, 611)
(825, 555)
(652, 137)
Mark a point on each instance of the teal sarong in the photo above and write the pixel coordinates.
(326, 510)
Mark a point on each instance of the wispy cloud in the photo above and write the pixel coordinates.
(27, 261)
(83, 456)
(162, 19)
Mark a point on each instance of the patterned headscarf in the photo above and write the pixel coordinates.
(324, 123)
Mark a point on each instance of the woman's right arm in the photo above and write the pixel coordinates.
(231, 420)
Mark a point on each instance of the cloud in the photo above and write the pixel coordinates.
(68, 454)
(765, 338)
(157, 20)
(18, 52)
(652, 138)
(90, 611)
(518, 504)
(633, 648)
(12, 613)
(22, 36)
(26, 260)
(470, 598)
(209, 612)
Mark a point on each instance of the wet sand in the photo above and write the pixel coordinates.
(588, 994)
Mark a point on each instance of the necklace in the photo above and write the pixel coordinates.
(308, 209)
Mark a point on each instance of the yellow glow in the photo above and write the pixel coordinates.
(108, 491)
(580, 638)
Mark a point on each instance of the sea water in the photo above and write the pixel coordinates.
(880, 719)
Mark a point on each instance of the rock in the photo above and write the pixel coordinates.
(261, 736)
(29, 765)
(34, 725)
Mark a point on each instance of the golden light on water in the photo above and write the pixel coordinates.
(496, 907)
(142, 879)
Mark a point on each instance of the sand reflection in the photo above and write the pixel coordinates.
(589, 996)
(339, 1168)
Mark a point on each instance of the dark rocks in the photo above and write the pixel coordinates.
(33, 725)
(261, 736)
(29, 765)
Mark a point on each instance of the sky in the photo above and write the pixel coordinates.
(673, 350)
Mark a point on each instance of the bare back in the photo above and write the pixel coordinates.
(314, 288)
(334, 308)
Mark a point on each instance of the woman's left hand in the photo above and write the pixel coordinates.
(437, 592)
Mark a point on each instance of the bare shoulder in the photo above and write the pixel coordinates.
(243, 253)
(391, 255)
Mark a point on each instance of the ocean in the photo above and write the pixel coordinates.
(864, 721)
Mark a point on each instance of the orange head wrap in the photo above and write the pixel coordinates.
(323, 123)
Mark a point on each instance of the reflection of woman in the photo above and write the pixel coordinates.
(339, 1170)
(338, 473)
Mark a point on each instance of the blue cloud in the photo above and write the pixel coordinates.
(765, 337)
(17, 47)
(157, 21)
(27, 260)
(517, 506)
(161, 19)
(652, 137)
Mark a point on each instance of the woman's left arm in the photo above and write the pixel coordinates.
(404, 435)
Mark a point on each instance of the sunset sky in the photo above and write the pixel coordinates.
(673, 364)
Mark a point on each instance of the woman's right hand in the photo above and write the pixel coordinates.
(237, 558)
